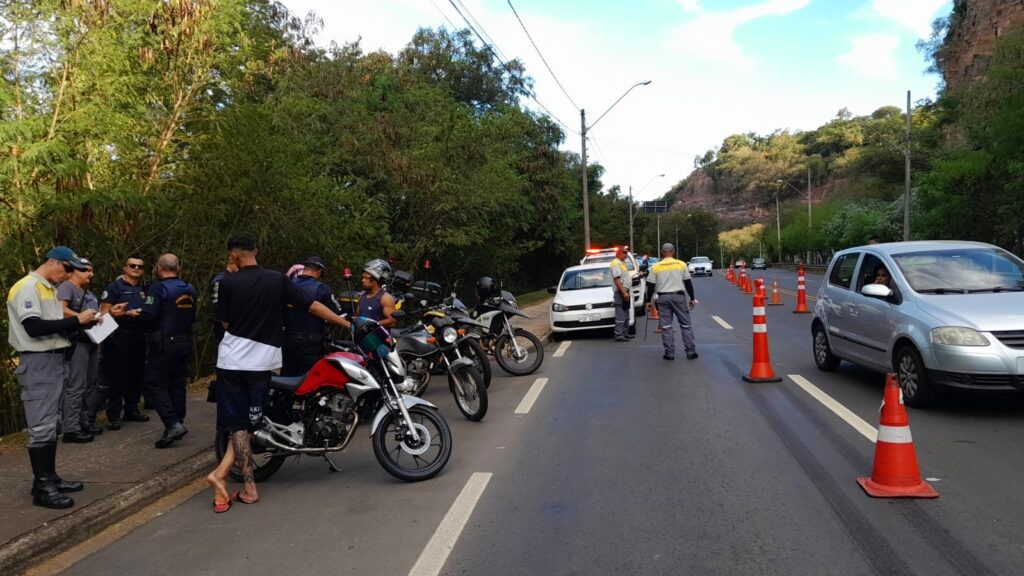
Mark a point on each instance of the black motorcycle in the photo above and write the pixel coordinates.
(517, 351)
(436, 342)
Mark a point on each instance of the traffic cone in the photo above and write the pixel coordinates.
(760, 288)
(776, 296)
(748, 288)
(895, 473)
(653, 311)
(728, 276)
(761, 367)
(742, 279)
(801, 293)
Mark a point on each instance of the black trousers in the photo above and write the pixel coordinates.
(167, 377)
(123, 366)
(299, 353)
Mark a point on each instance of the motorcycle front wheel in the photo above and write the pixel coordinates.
(405, 458)
(263, 465)
(473, 350)
(470, 393)
(527, 360)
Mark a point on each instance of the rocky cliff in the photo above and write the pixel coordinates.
(973, 26)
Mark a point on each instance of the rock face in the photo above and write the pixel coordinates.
(973, 27)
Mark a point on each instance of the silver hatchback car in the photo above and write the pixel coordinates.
(939, 314)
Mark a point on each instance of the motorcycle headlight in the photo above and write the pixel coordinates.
(556, 307)
(958, 336)
(449, 335)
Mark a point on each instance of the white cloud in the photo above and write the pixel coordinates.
(873, 56)
(710, 34)
(914, 14)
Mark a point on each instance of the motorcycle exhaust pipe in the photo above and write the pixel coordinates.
(266, 437)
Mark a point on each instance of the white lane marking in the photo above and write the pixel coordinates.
(562, 348)
(531, 396)
(867, 430)
(722, 323)
(441, 544)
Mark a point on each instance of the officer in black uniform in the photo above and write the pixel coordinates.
(124, 352)
(168, 314)
(304, 333)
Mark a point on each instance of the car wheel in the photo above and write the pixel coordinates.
(823, 356)
(913, 378)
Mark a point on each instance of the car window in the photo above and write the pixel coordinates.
(842, 270)
(873, 271)
(700, 260)
(582, 279)
(962, 270)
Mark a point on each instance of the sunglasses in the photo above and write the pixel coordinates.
(68, 267)
(135, 266)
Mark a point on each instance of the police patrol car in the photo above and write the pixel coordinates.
(583, 299)
(605, 256)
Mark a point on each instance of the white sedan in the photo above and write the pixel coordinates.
(700, 266)
(583, 300)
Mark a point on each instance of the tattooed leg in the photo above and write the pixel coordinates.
(242, 442)
(218, 477)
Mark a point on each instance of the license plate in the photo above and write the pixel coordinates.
(589, 317)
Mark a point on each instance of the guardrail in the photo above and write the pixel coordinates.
(808, 268)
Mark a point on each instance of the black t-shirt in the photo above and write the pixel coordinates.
(252, 301)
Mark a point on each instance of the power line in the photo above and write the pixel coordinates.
(503, 63)
(483, 31)
(445, 16)
(542, 59)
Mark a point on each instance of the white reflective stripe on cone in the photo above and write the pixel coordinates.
(760, 328)
(895, 434)
(758, 310)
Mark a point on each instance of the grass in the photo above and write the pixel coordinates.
(531, 298)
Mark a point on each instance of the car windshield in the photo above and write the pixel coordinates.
(962, 270)
(700, 260)
(583, 279)
(758, 260)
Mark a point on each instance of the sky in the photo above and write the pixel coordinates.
(717, 67)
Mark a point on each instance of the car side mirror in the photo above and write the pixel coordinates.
(553, 290)
(877, 291)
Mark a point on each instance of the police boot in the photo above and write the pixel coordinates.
(62, 484)
(45, 491)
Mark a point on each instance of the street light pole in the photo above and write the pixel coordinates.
(778, 225)
(906, 178)
(583, 146)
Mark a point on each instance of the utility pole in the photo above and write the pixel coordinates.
(586, 197)
(677, 240)
(631, 245)
(659, 232)
(906, 178)
(808, 213)
(778, 225)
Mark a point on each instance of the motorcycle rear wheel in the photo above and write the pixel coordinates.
(473, 401)
(263, 466)
(504, 352)
(389, 445)
(473, 350)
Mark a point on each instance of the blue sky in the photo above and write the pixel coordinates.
(717, 66)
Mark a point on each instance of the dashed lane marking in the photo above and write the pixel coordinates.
(531, 396)
(808, 296)
(722, 323)
(867, 430)
(441, 544)
(562, 348)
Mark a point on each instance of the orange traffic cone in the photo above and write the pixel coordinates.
(776, 296)
(748, 288)
(742, 279)
(895, 473)
(761, 367)
(760, 288)
(653, 311)
(801, 293)
(728, 276)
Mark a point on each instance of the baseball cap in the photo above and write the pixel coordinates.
(65, 254)
(668, 247)
(315, 261)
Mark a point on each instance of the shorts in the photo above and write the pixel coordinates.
(240, 398)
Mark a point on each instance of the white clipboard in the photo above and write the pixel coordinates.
(99, 332)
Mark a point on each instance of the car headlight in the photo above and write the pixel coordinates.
(449, 335)
(556, 307)
(958, 336)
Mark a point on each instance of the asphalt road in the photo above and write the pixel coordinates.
(628, 464)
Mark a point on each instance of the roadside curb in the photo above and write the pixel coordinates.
(23, 551)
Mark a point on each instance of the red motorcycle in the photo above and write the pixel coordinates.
(318, 413)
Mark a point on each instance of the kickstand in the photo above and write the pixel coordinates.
(330, 464)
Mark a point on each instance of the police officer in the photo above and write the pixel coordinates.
(167, 315)
(77, 421)
(304, 332)
(621, 284)
(124, 352)
(668, 278)
(37, 332)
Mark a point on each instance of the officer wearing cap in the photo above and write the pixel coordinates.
(668, 278)
(621, 283)
(168, 314)
(124, 352)
(77, 420)
(304, 332)
(38, 331)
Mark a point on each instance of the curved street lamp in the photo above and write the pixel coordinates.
(583, 136)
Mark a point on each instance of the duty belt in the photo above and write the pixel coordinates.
(61, 351)
(678, 293)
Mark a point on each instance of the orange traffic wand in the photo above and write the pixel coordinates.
(776, 296)
(895, 473)
(801, 293)
(761, 367)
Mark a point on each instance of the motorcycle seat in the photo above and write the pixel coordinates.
(288, 383)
